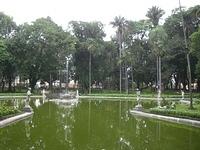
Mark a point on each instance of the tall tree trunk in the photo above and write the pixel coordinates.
(3, 84)
(33, 81)
(138, 84)
(120, 66)
(67, 75)
(188, 59)
(20, 83)
(198, 85)
(60, 81)
(160, 82)
(157, 72)
(176, 82)
(190, 81)
(90, 72)
(10, 84)
(126, 79)
(132, 77)
(50, 82)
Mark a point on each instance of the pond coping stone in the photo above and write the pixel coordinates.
(14, 119)
(190, 122)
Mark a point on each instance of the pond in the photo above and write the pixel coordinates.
(95, 125)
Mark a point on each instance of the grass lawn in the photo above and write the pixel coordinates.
(165, 94)
(12, 94)
(17, 94)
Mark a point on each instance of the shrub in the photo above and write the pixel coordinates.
(7, 110)
(177, 113)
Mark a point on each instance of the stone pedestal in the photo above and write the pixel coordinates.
(138, 107)
(28, 108)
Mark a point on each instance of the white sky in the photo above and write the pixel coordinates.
(63, 11)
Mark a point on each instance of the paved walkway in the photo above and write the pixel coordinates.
(167, 118)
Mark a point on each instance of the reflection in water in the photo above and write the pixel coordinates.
(66, 121)
(27, 128)
(16, 103)
(37, 103)
(93, 125)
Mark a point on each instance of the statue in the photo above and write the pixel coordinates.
(27, 107)
(139, 105)
(182, 94)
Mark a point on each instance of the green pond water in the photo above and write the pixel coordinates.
(95, 125)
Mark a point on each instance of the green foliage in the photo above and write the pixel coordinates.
(7, 110)
(154, 14)
(180, 111)
(40, 48)
(4, 55)
(158, 38)
(90, 42)
(195, 45)
(7, 25)
(35, 50)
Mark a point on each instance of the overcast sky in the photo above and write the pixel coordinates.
(63, 11)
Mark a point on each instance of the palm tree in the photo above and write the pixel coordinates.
(154, 14)
(158, 38)
(120, 23)
(91, 47)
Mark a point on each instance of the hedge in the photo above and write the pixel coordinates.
(7, 110)
(177, 113)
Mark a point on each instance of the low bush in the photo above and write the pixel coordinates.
(177, 113)
(7, 110)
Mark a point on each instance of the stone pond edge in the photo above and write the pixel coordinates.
(190, 122)
(14, 119)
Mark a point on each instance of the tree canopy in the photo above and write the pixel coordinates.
(37, 50)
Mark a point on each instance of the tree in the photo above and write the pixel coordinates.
(120, 24)
(7, 25)
(154, 14)
(92, 46)
(195, 46)
(90, 37)
(7, 31)
(158, 39)
(186, 21)
(138, 54)
(4, 56)
(43, 46)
